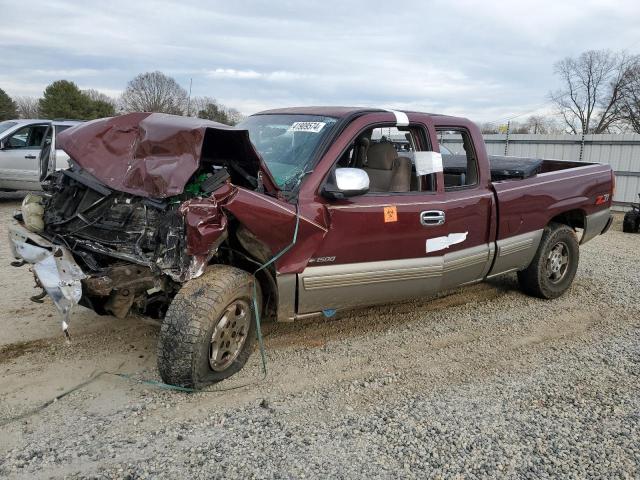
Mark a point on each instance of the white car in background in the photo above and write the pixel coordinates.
(21, 142)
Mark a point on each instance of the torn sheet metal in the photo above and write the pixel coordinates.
(57, 272)
(427, 162)
(61, 277)
(442, 243)
(206, 225)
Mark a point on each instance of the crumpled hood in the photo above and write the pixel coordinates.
(154, 154)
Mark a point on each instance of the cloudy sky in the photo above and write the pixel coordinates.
(484, 60)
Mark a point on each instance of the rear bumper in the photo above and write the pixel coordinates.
(596, 224)
(53, 265)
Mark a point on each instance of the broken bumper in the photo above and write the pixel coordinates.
(53, 265)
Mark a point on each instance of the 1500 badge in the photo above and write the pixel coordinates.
(322, 259)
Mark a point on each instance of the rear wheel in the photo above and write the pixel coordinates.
(554, 266)
(209, 329)
(631, 222)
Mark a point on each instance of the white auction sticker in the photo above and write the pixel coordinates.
(442, 243)
(313, 127)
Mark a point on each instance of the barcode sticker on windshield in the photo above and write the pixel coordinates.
(313, 127)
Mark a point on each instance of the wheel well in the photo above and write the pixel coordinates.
(243, 250)
(572, 218)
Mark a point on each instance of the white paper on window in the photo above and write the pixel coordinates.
(427, 162)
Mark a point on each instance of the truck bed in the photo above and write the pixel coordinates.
(508, 168)
(558, 187)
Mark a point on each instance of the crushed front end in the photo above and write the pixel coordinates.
(139, 212)
(121, 252)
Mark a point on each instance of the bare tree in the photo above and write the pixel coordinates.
(536, 124)
(97, 96)
(539, 124)
(488, 128)
(154, 92)
(198, 104)
(517, 127)
(631, 98)
(235, 116)
(209, 108)
(28, 107)
(590, 98)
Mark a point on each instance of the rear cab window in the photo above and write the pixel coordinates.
(459, 158)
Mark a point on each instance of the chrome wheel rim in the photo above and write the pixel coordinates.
(229, 335)
(558, 262)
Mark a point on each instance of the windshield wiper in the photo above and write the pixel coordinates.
(295, 180)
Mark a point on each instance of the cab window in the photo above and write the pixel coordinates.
(387, 154)
(459, 159)
(30, 137)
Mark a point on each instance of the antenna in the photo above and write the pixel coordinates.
(189, 99)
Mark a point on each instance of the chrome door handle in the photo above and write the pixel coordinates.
(430, 218)
(30, 156)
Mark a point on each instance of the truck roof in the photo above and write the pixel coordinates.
(338, 112)
(327, 111)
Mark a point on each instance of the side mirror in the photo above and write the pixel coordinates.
(346, 182)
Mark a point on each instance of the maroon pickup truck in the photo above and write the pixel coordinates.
(306, 210)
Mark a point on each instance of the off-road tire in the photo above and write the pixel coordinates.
(631, 222)
(534, 280)
(185, 335)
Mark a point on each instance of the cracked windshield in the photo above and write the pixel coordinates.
(287, 143)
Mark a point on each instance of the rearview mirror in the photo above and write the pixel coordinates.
(347, 182)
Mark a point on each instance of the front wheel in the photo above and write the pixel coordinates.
(209, 330)
(554, 266)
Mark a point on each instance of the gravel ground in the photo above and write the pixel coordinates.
(481, 382)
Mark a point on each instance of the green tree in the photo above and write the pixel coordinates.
(99, 109)
(63, 99)
(7, 107)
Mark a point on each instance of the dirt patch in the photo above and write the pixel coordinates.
(15, 350)
(569, 324)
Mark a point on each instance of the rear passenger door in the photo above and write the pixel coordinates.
(469, 207)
